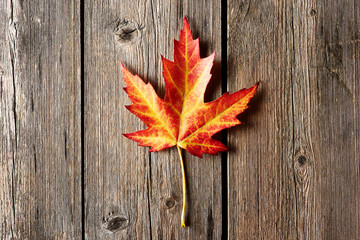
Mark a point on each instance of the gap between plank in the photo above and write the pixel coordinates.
(224, 155)
(82, 71)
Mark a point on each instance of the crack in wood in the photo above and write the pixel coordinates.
(210, 224)
(12, 37)
(148, 196)
(1, 83)
(65, 145)
(13, 188)
(14, 89)
(35, 158)
(248, 9)
(292, 73)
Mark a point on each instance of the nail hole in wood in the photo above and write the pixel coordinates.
(312, 12)
(301, 160)
(115, 223)
(169, 203)
(127, 32)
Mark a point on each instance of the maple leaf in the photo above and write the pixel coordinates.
(182, 118)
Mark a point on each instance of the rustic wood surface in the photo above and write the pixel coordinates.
(293, 171)
(130, 192)
(40, 136)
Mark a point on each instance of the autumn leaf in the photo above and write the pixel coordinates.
(182, 118)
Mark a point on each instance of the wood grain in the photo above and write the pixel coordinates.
(124, 181)
(260, 177)
(204, 217)
(326, 97)
(40, 120)
(294, 173)
(293, 169)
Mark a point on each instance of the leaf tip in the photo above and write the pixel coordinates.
(127, 135)
(186, 29)
(123, 68)
(254, 88)
(122, 65)
(186, 21)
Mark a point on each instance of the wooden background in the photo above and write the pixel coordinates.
(66, 171)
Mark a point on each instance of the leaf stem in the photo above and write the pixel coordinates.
(184, 189)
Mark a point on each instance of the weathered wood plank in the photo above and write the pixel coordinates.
(130, 193)
(295, 173)
(260, 176)
(204, 217)
(326, 98)
(40, 120)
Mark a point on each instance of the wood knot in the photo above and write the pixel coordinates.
(169, 202)
(312, 12)
(115, 223)
(127, 32)
(301, 160)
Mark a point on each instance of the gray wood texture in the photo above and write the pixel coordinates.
(294, 171)
(40, 120)
(129, 192)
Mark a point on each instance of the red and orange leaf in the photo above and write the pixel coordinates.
(182, 118)
(153, 111)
